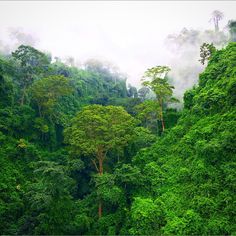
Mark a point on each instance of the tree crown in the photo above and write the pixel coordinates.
(100, 128)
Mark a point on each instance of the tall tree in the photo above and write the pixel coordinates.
(157, 82)
(147, 113)
(216, 17)
(32, 63)
(47, 91)
(98, 129)
(232, 30)
(206, 51)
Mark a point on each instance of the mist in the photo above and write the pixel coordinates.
(133, 36)
(16, 36)
(184, 55)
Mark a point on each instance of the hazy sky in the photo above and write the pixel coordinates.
(130, 34)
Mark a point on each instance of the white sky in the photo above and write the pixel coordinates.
(130, 34)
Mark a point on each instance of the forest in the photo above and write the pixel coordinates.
(83, 153)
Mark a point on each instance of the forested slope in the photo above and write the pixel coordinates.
(180, 181)
(189, 174)
(38, 98)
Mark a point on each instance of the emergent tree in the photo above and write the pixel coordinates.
(98, 129)
(157, 82)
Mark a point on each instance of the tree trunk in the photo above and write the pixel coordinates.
(161, 114)
(216, 22)
(100, 209)
(163, 125)
(40, 113)
(23, 97)
(100, 156)
(100, 161)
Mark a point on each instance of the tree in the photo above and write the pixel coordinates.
(159, 85)
(232, 30)
(50, 205)
(132, 91)
(143, 92)
(147, 113)
(206, 51)
(98, 129)
(216, 17)
(47, 91)
(146, 216)
(32, 62)
(6, 83)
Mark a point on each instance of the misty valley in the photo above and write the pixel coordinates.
(84, 151)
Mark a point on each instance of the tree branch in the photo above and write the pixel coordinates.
(95, 164)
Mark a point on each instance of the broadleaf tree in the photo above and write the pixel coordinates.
(157, 81)
(31, 63)
(98, 129)
(47, 91)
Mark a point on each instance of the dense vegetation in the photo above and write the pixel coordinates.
(80, 153)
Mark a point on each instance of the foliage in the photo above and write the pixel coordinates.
(47, 92)
(232, 30)
(94, 146)
(31, 64)
(186, 169)
(158, 83)
(206, 50)
(98, 129)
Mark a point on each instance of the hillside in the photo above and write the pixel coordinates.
(73, 162)
(189, 174)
